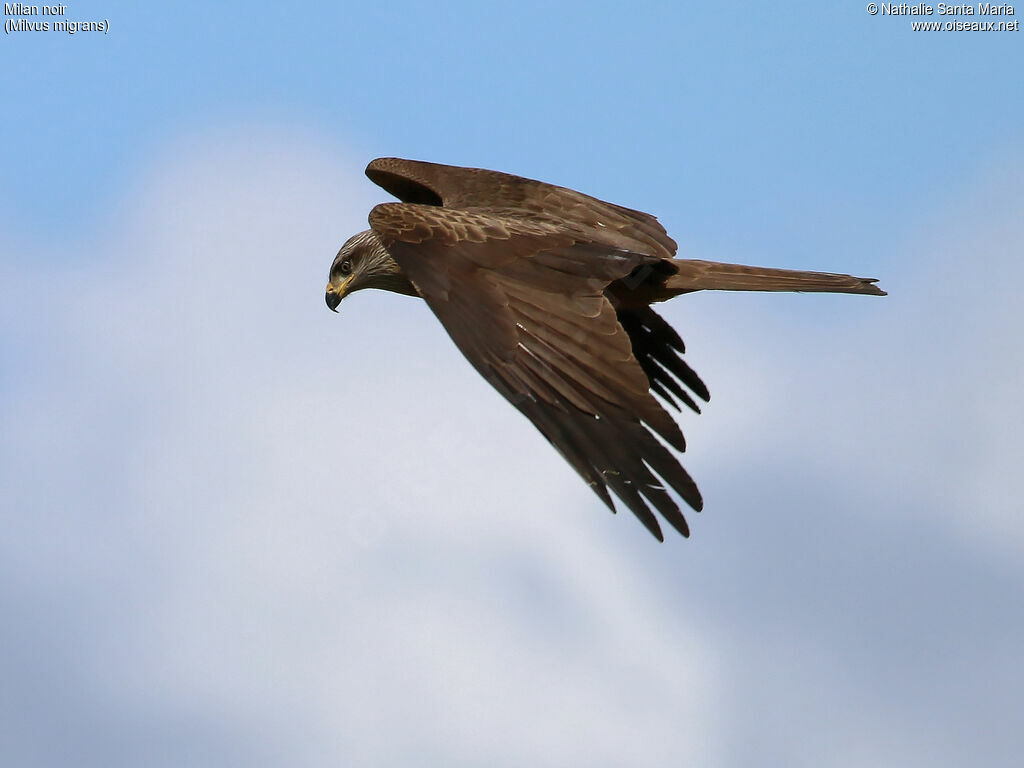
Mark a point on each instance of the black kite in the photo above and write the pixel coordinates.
(547, 292)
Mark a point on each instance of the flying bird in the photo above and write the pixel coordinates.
(548, 292)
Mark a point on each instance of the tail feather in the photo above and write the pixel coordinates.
(696, 275)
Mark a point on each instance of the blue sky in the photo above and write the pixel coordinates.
(241, 530)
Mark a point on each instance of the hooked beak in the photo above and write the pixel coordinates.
(335, 294)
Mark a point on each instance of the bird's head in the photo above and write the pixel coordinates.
(361, 263)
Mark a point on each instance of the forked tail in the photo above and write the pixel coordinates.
(696, 275)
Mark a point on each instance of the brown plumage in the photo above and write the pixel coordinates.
(547, 293)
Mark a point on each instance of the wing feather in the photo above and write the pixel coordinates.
(657, 347)
(525, 303)
(453, 187)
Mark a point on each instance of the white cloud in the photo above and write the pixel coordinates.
(296, 528)
(245, 527)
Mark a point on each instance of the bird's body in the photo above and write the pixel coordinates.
(547, 292)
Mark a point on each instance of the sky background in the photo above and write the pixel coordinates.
(240, 530)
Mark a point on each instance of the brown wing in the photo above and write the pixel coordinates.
(509, 196)
(524, 302)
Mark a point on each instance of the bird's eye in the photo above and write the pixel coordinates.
(345, 267)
